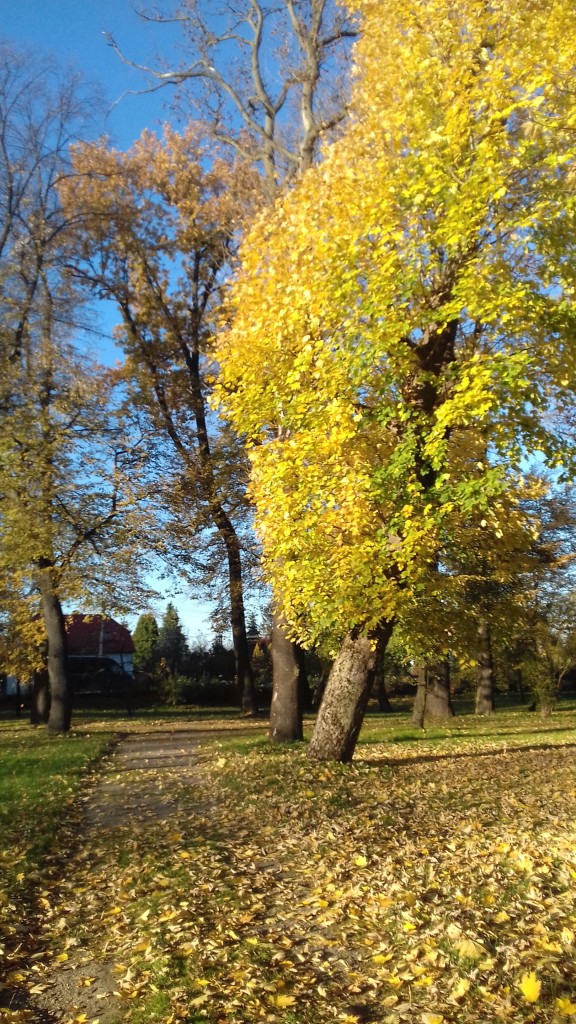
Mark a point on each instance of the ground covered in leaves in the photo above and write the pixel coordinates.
(433, 880)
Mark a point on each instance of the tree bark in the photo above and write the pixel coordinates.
(382, 697)
(304, 691)
(286, 707)
(244, 674)
(485, 672)
(60, 691)
(419, 709)
(347, 692)
(320, 690)
(517, 684)
(438, 702)
(40, 706)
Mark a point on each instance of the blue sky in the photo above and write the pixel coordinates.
(71, 31)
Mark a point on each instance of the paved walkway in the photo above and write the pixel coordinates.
(132, 787)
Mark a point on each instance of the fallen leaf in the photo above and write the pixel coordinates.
(530, 986)
(281, 1000)
(565, 1007)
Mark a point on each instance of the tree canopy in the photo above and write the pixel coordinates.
(67, 531)
(402, 321)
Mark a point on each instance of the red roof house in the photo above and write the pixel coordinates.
(100, 637)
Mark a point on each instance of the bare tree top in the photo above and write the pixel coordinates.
(269, 76)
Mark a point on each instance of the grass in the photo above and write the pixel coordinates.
(430, 882)
(40, 777)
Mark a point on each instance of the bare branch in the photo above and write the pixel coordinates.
(234, 55)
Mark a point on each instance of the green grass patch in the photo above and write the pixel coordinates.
(40, 777)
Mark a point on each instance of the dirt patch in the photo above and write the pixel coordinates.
(80, 988)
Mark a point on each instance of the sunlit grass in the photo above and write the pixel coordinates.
(39, 779)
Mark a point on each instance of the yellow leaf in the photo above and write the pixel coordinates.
(13, 977)
(281, 1000)
(390, 1000)
(360, 861)
(565, 1008)
(61, 957)
(431, 1018)
(469, 949)
(530, 987)
(461, 988)
(382, 958)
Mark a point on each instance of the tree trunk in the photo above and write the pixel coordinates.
(191, 353)
(438, 702)
(304, 691)
(18, 700)
(320, 689)
(60, 691)
(347, 692)
(419, 709)
(286, 708)
(244, 674)
(517, 684)
(40, 706)
(485, 672)
(382, 697)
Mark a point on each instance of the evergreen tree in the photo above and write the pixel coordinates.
(145, 637)
(172, 643)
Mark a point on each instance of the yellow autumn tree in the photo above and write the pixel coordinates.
(407, 304)
(270, 82)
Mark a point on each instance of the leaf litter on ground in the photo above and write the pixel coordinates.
(430, 884)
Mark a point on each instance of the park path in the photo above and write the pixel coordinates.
(132, 786)
(148, 778)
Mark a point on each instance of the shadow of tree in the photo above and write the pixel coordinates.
(398, 762)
